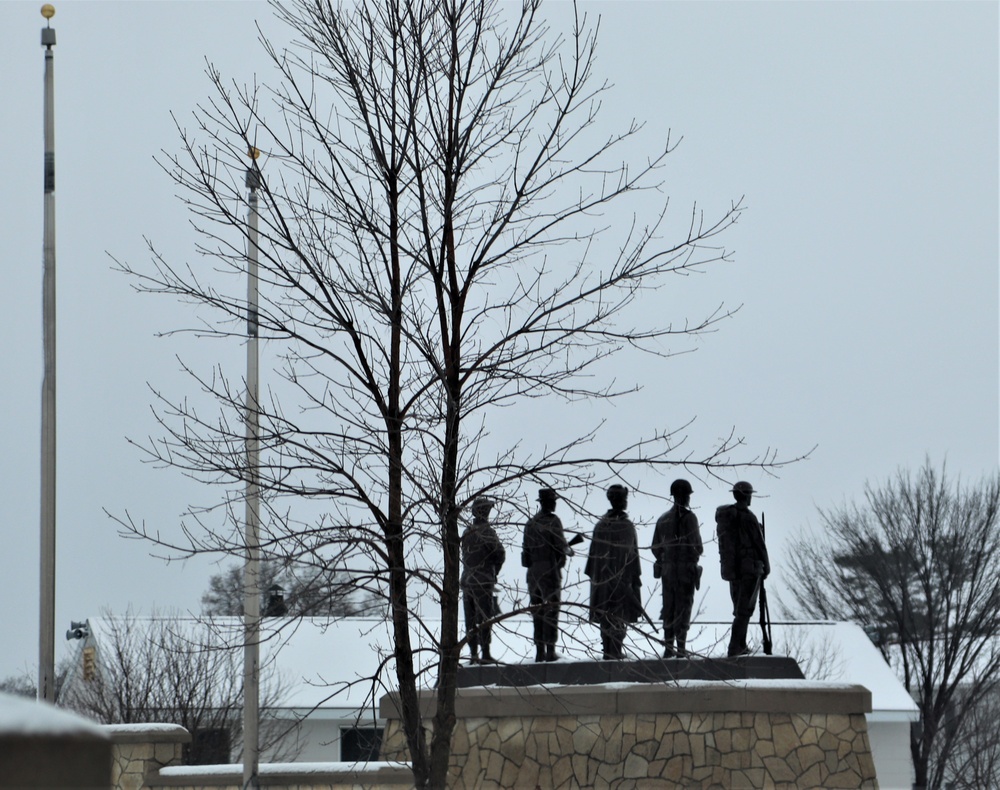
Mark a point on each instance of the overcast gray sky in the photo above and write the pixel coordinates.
(864, 137)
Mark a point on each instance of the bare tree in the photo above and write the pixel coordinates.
(20, 685)
(975, 759)
(918, 566)
(432, 249)
(24, 684)
(305, 591)
(819, 656)
(180, 671)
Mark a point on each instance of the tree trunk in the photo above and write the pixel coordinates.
(444, 719)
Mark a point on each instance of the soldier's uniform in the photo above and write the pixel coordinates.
(744, 560)
(613, 568)
(677, 547)
(543, 553)
(482, 557)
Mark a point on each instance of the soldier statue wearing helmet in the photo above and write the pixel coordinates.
(677, 547)
(482, 557)
(744, 561)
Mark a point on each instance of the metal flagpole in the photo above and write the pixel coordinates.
(251, 578)
(47, 597)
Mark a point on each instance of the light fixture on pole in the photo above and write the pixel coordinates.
(47, 569)
(251, 572)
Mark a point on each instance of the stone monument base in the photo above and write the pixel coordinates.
(692, 734)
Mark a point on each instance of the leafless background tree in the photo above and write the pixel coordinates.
(975, 759)
(25, 684)
(917, 564)
(433, 263)
(819, 656)
(177, 670)
(305, 592)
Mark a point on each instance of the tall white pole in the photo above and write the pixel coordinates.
(47, 575)
(251, 577)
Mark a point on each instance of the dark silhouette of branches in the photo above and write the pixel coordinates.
(165, 668)
(436, 243)
(299, 590)
(917, 564)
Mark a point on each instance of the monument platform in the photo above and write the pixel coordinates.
(748, 722)
(748, 733)
(657, 670)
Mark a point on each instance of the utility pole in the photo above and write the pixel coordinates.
(47, 575)
(251, 572)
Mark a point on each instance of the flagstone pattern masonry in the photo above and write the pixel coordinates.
(139, 751)
(698, 735)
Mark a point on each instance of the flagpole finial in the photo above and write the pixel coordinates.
(48, 33)
(253, 175)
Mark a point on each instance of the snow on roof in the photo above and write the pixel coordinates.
(303, 770)
(829, 651)
(23, 716)
(330, 665)
(318, 662)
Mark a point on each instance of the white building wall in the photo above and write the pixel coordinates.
(320, 740)
(890, 742)
(317, 736)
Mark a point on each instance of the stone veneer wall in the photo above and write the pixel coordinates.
(140, 750)
(750, 734)
(149, 755)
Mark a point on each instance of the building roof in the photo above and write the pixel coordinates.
(334, 666)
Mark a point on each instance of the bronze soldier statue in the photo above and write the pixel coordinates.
(544, 552)
(677, 547)
(744, 561)
(613, 568)
(482, 557)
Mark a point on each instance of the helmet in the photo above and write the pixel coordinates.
(680, 487)
(481, 503)
(743, 487)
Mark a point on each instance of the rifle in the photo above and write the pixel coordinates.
(636, 601)
(765, 615)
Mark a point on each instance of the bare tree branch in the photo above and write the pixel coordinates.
(918, 566)
(436, 243)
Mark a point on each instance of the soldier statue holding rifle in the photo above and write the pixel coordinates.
(745, 565)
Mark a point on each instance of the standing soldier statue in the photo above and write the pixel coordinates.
(677, 547)
(544, 553)
(613, 568)
(744, 561)
(482, 558)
